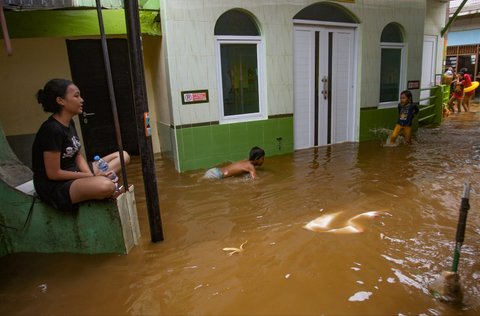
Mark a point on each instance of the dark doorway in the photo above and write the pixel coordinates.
(88, 73)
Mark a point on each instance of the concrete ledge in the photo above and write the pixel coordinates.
(28, 225)
(127, 209)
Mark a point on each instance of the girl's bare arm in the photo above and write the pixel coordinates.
(54, 172)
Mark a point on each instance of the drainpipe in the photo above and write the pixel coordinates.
(141, 113)
(6, 37)
(454, 16)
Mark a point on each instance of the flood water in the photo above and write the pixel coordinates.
(284, 268)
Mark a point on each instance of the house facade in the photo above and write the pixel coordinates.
(289, 75)
(224, 76)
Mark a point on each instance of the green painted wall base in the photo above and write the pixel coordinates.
(206, 146)
(372, 121)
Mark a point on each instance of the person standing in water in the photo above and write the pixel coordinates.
(406, 112)
(61, 175)
(467, 82)
(256, 159)
(457, 94)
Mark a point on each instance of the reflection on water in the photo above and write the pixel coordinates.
(283, 268)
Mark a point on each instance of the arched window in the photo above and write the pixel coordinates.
(392, 70)
(325, 11)
(237, 23)
(240, 67)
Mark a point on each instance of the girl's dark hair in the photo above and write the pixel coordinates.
(408, 94)
(53, 89)
(256, 153)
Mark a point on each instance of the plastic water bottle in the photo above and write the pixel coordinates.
(102, 165)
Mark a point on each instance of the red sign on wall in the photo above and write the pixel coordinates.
(413, 84)
(197, 96)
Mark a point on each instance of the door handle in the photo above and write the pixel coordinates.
(325, 87)
(85, 116)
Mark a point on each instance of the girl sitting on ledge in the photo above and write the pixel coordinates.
(61, 175)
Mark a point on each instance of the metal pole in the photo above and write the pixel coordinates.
(462, 223)
(6, 37)
(141, 108)
(111, 92)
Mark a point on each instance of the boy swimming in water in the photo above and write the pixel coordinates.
(406, 111)
(256, 158)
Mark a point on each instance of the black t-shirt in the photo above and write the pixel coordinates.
(56, 137)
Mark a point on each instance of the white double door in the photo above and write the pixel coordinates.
(324, 86)
(429, 59)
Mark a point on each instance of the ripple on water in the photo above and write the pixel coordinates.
(360, 296)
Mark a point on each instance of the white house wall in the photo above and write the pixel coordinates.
(188, 27)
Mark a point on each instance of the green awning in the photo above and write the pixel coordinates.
(75, 23)
(29, 5)
(74, 18)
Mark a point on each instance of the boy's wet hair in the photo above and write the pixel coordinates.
(408, 94)
(256, 153)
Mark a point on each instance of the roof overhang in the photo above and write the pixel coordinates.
(471, 7)
(72, 18)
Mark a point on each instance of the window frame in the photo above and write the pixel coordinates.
(402, 83)
(262, 111)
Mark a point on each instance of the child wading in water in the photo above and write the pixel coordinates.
(467, 82)
(406, 111)
(256, 158)
(458, 94)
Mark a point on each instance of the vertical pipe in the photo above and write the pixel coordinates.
(111, 92)
(6, 37)
(456, 256)
(462, 223)
(141, 107)
(317, 88)
(476, 70)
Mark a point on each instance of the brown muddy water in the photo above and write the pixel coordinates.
(284, 268)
